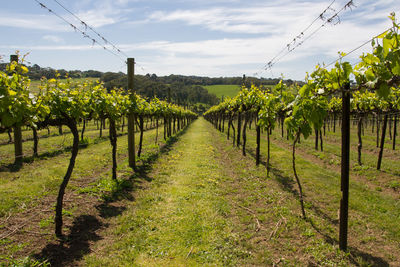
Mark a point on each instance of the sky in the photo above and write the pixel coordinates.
(215, 38)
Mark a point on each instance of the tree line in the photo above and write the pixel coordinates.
(179, 89)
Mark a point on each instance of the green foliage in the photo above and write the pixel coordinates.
(16, 103)
(59, 101)
(67, 100)
(379, 70)
(267, 114)
(308, 111)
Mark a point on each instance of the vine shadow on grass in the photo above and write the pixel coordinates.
(83, 230)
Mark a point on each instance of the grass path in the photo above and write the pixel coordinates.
(181, 219)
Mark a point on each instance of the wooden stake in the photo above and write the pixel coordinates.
(344, 202)
(131, 117)
(17, 131)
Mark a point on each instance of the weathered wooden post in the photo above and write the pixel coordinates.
(131, 116)
(344, 202)
(17, 131)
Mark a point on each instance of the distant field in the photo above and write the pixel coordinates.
(36, 83)
(230, 90)
(223, 90)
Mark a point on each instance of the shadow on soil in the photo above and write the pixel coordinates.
(75, 245)
(370, 259)
(83, 231)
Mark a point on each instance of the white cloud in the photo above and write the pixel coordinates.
(223, 57)
(104, 12)
(53, 38)
(267, 19)
(51, 47)
(37, 22)
(97, 19)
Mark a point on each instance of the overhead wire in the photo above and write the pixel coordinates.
(290, 48)
(92, 29)
(330, 20)
(301, 33)
(85, 35)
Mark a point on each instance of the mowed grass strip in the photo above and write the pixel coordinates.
(180, 219)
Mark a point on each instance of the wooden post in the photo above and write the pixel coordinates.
(344, 202)
(18, 144)
(131, 116)
(17, 131)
